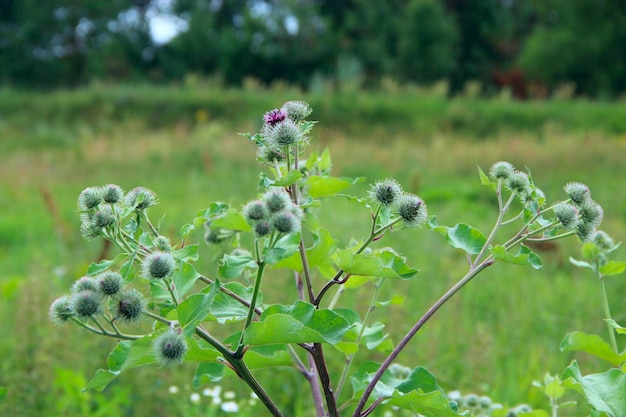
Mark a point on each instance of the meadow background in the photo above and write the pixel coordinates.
(154, 93)
(496, 337)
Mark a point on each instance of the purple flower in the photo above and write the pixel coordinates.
(273, 117)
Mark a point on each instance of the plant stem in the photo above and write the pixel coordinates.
(418, 325)
(255, 293)
(607, 314)
(336, 279)
(350, 358)
(229, 293)
(242, 371)
(317, 354)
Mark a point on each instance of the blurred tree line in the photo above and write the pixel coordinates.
(530, 46)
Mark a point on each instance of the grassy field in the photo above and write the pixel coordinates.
(495, 338)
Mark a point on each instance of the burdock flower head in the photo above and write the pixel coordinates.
(591, 213)
(255, 210)
(501, 170)
(297, 110)
(128, 305)
(61, 311)
(85, 304)
(158, 265)
(84, 284)
(567, 214)
(140, 198)
(273, 117)
(89, 198)
(578, 192)
(170, 348)
(284, 134)
(109, 283)
(277, 200)
(286, 222)
(385, 191)
(112, 193)
(518, 182)
(411, 209)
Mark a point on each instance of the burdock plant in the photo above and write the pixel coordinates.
(279, 230)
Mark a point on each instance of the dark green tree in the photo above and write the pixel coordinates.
(48, 43)
(427, 44)
(579, 41)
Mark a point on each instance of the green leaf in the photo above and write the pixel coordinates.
(208, 373)
(126, 355)
(194, 309)
(580, 264)
(430, 404)
(234, 266)
(184, 278)
(590, 251)
(215, 209)
(291, 178)
(523, 257)
(226, 309)
(319, 186)
(231, 220)
(297, 323)
(484, 179)
(592, 344)
(393, 386)
(3, 392)
(613, 268)
(619, 329)
(199, 350)
(551, 386)
(284, 248)
(466, 237)
(187, 254)
(101, 379)
(261, 357)
(318, 255)
(383, 263)
(186, 230)
(96, 268)
(605, 392)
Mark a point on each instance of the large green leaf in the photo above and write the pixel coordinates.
(126, 355)
(96, 268)
(382, 263)
(184, 278)
(269, 356)
(613, 268)
(523, 257)
(390, 385)
(227, 309)
(319, 186)
(208, 373)
(283, 249)
(592, 344)
(461, 236)
(231, 220)
(232, 266)
(195, 308)
(188, 253)
(297, 323)
(318, 255)
(429, 404)
(605, 392)
(619, 329)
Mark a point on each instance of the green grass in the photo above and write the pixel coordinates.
(498, 335)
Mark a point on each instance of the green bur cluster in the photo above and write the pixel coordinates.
(279, 230)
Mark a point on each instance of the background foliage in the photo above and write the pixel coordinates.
(321, 43)
(182, 143)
